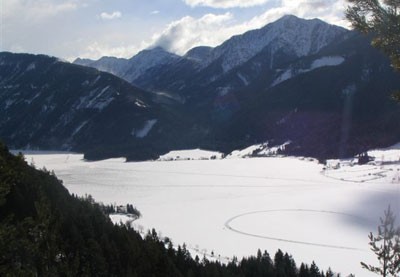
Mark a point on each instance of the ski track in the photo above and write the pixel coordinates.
(229, 227)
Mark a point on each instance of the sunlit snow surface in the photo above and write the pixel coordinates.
(193, 154)
(236, 206)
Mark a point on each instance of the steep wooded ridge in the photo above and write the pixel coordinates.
(49, 104)
(319, 86)
(44, 231)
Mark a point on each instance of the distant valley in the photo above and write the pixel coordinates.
(320, 87)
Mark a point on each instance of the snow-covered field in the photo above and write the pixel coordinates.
(235, 206)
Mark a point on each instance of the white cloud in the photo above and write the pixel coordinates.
(155, 12)
(225, 4)
(331, 11)
(212, 30)
(110, 16)
(187, 32)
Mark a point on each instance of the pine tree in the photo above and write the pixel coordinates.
(314, 270)
(329, 273)
(386, 246)
(303, 272)
(381, 19)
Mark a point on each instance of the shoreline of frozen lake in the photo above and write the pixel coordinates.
(191, 201)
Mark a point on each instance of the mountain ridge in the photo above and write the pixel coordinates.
(265, 98)
(233, 52)
(71, 104)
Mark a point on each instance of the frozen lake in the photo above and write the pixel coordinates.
(232, 207)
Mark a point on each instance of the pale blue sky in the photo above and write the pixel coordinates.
(95, 28)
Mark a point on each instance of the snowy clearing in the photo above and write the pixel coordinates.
(327, 61)
(235, 206)
(123, 219)
(258, 150)
(321, 62)
(196, 154)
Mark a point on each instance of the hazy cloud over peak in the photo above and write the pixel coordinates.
(188, 32)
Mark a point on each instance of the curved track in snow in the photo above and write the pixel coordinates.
(230, 220)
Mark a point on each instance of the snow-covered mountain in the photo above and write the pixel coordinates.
(116, 66)
(199, 54)
(146, 60)
(262, 53)
(131, 69)
(242, 59)
(49, 104)
(298, 36)
(322, 87)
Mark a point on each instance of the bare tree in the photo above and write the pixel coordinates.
(386, 246)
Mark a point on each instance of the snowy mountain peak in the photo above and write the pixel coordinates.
(198, 53)
(288, 17)
(296, 19)
(154, 53)
(131, 69)
(289, 37)
(147, 59)
(113, 65)
(300, 36)
(83, 61)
